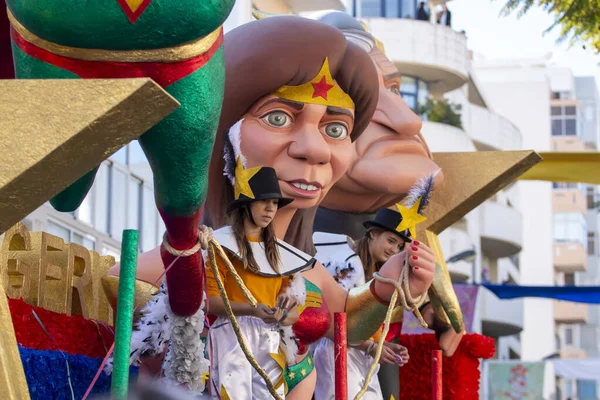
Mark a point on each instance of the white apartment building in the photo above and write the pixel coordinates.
(557, 112)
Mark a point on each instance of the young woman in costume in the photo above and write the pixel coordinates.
(351, 266)
(265, 265)
(297, 94)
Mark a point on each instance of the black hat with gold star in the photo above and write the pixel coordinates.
(253, 184)
(402, 222)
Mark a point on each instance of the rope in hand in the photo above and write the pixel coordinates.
(213, 245)
(407, 302)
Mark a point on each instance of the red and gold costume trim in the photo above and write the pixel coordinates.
(164, 66)
(165, 55)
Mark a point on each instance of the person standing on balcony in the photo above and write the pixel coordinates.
(445, 16)
(422, 14)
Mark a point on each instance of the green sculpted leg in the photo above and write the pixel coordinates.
(179, 150)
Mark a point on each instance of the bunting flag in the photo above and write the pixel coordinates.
(578, 294)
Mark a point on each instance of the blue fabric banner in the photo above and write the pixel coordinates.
(578, 294)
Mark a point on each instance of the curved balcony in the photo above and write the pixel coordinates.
(501, 233)
(455, 241)
(432, 52)
(500, 317)
(491, 131)
(446, 138)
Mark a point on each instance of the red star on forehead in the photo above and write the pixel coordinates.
(321, 88)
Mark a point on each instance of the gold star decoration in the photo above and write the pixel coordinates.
(292, 375)
(205, 377)
(63, 128)
(466, 186)
(242, 180)
(303, 372)
(410, 218)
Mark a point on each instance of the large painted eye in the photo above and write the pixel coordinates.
(336, 130)
(278, 119)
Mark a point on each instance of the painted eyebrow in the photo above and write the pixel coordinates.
(338, 111)
(392, 76)
(293, 104)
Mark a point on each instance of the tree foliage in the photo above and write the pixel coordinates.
(577, 19)
(442, 111)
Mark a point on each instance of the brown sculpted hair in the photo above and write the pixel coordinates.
(264, 55)
(268, 237)
(361, 247)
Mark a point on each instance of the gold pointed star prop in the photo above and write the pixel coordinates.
(466, 186)
(242, 180)
(410, 218)
(54, 131)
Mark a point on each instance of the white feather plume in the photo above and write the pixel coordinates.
(233, 150)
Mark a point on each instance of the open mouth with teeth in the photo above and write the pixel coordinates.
(307, 189)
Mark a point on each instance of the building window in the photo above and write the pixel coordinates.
(136, 154)
(565, 185)
(569, 336)
(371, 8)
(85, 212)
(118, 200)
(120, 156)
(71, 236)
(569, 279)
(569, 228)
(565, 120)
(385, 8)
(591, 243)
(102, 199)
(414, 91)
(591, 197)
(149, 218)
(569, 388)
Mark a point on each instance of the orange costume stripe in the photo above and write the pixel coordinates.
(264, 289)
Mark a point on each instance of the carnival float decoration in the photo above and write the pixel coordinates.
(51, 292)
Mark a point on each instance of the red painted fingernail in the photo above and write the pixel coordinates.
(415, 258)
(416, 268)
(416, 242)
(414, 248)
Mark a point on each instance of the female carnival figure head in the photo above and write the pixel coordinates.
(297, 94)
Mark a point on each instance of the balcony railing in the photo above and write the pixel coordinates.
(432, 52)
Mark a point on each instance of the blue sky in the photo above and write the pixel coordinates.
(497, 37)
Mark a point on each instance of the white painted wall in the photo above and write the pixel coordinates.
(522, 95)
